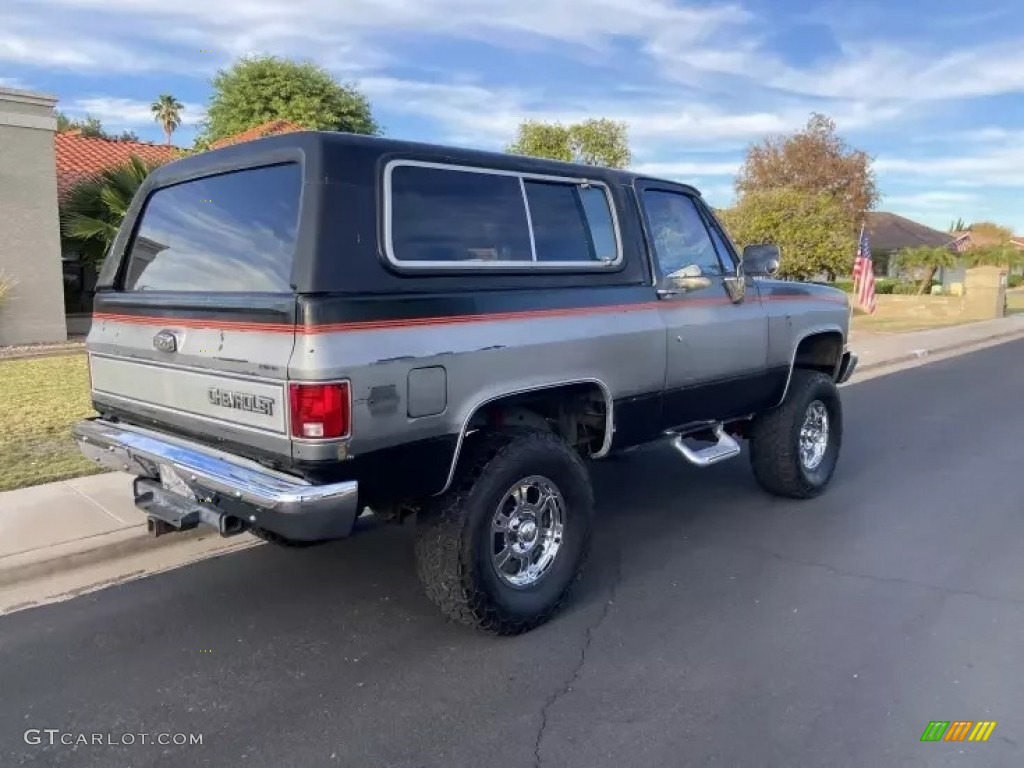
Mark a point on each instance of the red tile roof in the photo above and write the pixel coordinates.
(271, 128)
(84, 157)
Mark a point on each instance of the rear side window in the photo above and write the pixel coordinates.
(445, 216)
(562, 228)
(442, 215)
(231, 233)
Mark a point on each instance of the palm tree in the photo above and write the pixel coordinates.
(932, 259)
(92, 214)
(167, 111)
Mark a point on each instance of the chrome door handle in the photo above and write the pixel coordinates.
(664, 293)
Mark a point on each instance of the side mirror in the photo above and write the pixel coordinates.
(761, 260)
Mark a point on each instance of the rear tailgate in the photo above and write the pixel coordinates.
(196, 333)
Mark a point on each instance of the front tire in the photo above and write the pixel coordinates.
(502, 549)
(794, 448)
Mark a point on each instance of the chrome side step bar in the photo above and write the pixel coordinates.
(725, 448)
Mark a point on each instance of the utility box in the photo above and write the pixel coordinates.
(985, 292)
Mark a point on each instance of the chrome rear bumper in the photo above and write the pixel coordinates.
(220, 483)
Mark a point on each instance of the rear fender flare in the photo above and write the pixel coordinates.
(609, 417)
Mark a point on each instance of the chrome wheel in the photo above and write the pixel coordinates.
(814, 435)
(526, 531)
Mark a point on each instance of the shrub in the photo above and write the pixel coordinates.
(906, 289)
(1015, 281)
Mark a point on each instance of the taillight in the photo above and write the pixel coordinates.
(320, 411)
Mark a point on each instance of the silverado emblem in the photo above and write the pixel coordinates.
(166, 341)
(241, 401)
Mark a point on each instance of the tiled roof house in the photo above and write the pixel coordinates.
(83, 157)
(271, 128)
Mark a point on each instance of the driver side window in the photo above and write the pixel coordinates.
(681, 240)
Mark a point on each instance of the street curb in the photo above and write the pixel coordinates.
(80, 553)
(938, 350)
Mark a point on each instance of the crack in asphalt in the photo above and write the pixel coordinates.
(833, 571)
(588, 638)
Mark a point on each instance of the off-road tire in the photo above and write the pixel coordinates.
(775, 438)
(453, 556)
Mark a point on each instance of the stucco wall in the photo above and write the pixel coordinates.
(29, 228)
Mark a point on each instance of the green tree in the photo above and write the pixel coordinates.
(92, 214)
(815, 160)
(928, 258)
(1003, 254)
(167, 111)
(598, 141)
(990, 232)
(811, 229)
(958, 225)
(88, 125)
(256, 90)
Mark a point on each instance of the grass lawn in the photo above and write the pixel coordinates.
(901, 324)
(42, 398)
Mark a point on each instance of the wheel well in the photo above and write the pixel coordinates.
(820, 352)
(577, 412)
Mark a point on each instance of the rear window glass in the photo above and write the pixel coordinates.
(447, 215)
(230, 233)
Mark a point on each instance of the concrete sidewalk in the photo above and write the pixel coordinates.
(72, 523)
(878, 350)
(50, 529)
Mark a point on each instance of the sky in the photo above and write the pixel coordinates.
(933, 90)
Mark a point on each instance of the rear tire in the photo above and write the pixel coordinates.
(503, 547)
(794, 448)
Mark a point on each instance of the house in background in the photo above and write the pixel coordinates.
(29, 234)
(271, 128)
(890, 233)
(964, 240)
(80, 158)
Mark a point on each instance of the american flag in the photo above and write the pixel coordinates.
(961, 243)
(863, 274)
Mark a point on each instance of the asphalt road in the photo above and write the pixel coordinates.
(716, 626)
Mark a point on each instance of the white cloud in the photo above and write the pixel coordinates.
(1000, 166)
(125, 113)
(479, 115)
(689, 169)
(931, 200)
(347, 31)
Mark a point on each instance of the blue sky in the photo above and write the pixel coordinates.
(932, 89)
